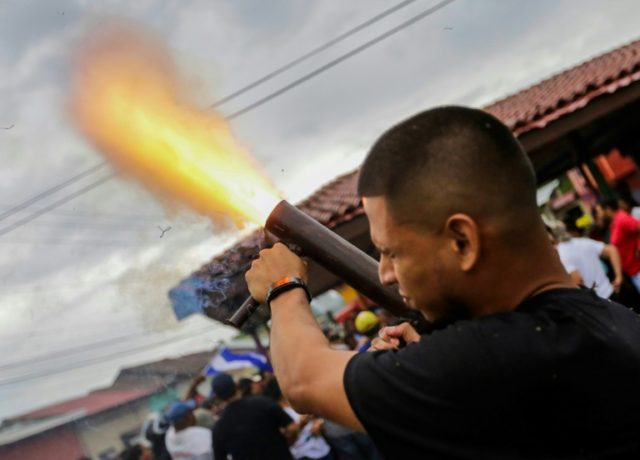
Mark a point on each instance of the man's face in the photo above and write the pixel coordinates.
(409, 257)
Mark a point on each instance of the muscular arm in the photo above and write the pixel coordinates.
(310, 373)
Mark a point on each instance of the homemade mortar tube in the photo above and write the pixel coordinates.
(337, 255)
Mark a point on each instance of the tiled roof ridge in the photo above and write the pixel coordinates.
(584, 63)
(623, 70)
(633, 67)
(328, 187)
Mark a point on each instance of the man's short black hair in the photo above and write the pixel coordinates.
(446, 160)
(223, 386)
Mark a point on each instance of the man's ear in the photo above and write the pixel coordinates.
(462, 232)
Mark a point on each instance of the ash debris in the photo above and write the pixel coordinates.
(218, 288)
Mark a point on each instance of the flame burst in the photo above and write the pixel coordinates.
(128, 100)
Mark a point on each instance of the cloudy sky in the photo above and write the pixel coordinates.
(83, 287)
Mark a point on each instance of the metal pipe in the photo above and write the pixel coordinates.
(337, 255)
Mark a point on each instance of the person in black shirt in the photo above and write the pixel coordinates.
(520, 363)
(155, 430)
(250, 427)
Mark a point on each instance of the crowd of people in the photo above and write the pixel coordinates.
(605, 255)
(249, 418)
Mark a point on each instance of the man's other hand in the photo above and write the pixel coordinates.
(272, 265)
(390, 337)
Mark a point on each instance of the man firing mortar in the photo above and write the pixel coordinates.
(523, 363)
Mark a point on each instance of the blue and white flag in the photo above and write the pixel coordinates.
(226, 360)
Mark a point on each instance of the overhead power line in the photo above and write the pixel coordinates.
(342, 58)
(222, 100)
(312, 53)
(55, 204)
(420, 16)
(49, 191)
(93, 216)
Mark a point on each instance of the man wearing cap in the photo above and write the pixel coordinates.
(249, 428)
(521, 364)
(185, 440)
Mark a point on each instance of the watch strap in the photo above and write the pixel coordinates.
(286, 284)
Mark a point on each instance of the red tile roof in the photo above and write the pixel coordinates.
(95, 402)
(335, 203)
(535, 107)
(132, 383)
(570, 90)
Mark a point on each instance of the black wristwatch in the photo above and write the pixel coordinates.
(286, 284)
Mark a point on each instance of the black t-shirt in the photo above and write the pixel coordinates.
(249, 428)
(559, 378)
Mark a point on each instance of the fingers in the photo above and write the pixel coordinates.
(272, 265)
(257, 285)
(404, 331)
(382, 344)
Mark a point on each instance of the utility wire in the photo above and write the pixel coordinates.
(98, 359)
(49, 191)
(275, 94)
(55, 204)
(224, 99)
(341, 59)
(311, 53)
(93, 216)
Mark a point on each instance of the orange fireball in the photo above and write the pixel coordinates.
(128, 100)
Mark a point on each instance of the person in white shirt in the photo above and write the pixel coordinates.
(307, 442)
(185, 440)
(581, 258)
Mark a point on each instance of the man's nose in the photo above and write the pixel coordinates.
(386, 272)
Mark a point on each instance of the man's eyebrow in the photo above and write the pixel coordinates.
(375, 243)
(380, 247)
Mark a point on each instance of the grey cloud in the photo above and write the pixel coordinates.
(314, 132)
(23, 22)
